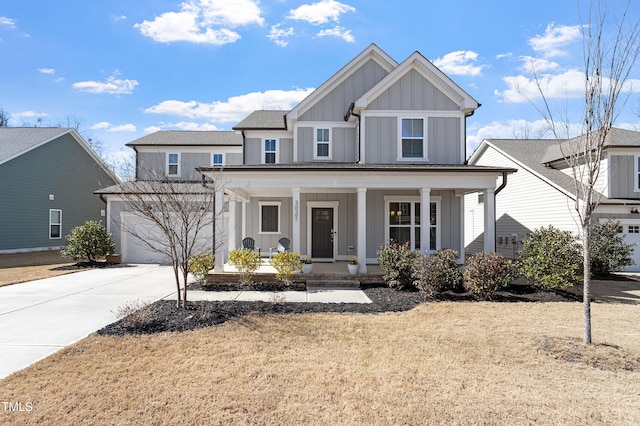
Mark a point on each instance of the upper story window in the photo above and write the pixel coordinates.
(217, 159)
(55, 223)
(173, 164)
(412, 141)
(270, 152)
(322, 144)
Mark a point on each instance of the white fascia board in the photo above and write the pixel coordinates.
(268, 134)
(188, 149)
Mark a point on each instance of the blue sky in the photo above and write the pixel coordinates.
(126, 68)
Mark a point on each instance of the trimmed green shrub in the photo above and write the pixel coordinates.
(551, 258)
(246, 261)
(286, 264)
(438, 273)
(89, 241)
(486, 273)
(200, 265)
(609, 251)
(396, 261)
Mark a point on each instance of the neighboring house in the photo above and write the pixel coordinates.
(48, 178)
(376, 153)
(542, 193)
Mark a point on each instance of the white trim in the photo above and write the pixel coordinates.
(328, 142)
(269, 203)
(264, 152)
(57, 223)
(433, 199)
(167, 164)
(223, 159)
(425, 142)
(320, 205)
(31, 249)
(198, 149)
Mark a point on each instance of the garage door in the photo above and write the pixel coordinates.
(631, 233)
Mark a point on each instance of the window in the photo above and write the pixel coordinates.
(217, 159)
(323, 144)
(404, 225)
(55, 224)
(270, 151)
(269, 217)
(480, 197)
(173, 164)
(412, 138)
(634, 229)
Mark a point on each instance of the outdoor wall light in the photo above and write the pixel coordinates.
(634, 210)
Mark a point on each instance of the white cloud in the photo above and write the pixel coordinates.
(186, 125)
(511, 129)
(152, 129)
(101, 125)
(113, 86)
(338, 32)
(203, 21)
(7, 22)
(30, 114)
(461, 62)
(117, 18)
(49, 71)
(533, 65)
(279, 35)
(569, 84)
(122, 128)
(321, 12)
(550, 43)
(235, 108)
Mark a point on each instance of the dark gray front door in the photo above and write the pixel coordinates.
(322, 233)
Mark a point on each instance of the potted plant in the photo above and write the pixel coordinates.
(353, 266)
(306, 265)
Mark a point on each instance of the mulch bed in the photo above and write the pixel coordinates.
(164, 316)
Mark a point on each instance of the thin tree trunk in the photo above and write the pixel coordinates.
(586, 292)
(177, 277)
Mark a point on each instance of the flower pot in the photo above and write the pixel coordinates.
(306, 268)
(353, 269)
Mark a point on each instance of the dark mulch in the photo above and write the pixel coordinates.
(84, 265)
(163, 316)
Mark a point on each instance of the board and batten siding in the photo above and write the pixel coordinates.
(253, 150)
(153, 165)
(61, 168)
(335, 104)
(343, 144)
(252, 229)
(525, 204)
(622, 172)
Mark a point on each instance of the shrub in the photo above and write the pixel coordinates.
(609, 251)
(551, 258)
(437, 273)
(246, 261)
(286, 263)
(200, 265)
(89, 241)
(486, 273)
(135, 314)
(396, 261)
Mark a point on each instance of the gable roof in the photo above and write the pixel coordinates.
(430, 72)
(264, 120)
(616, 138)
(189, 138)
(372, 52)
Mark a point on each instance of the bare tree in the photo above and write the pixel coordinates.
(611, 48)
(4, 118)
(181, 218)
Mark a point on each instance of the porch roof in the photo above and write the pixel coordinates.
(275, 168)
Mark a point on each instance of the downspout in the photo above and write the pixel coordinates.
(137, 162)
(495, 204)
(346, 118)
(244, 155)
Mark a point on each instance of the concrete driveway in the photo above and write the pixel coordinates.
(38, 318)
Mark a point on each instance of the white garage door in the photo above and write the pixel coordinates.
(631, 233)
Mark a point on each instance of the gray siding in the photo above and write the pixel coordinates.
(381, 135)
(253, 150)
(334, 106)
(61, 168)
(347, 225)
(264, 241)
(152, 165)
(234, 159)
(622, 177)
(343, 144)
(413, 92)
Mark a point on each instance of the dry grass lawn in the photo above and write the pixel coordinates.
(22, 267)
(441, 363)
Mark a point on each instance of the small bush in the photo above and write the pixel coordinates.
(246, 261)
(437, 273)
(286, 264)
(89, 241)
(551, 258)
(609, 251)
(396, 261)
(486, 273)
(200, 265)
(135, 314)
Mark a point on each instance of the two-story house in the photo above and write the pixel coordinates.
(542, 193)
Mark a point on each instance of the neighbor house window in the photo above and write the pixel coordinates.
(269, 219)
(173, 164)
(55, 223)
(270, 151)
(412, 141)
(404, 227)
(323, 144)
(217, 159)
(634, 229)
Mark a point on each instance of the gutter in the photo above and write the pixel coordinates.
(346, 118)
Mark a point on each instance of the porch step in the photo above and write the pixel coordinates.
(333, 283)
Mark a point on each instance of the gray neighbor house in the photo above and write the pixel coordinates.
(48, 176)
(377, 153)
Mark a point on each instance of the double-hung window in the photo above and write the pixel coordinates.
(173, 164)
(217, 159)
(270, 151)
(323, 144)
(404, 225)
(269, 212)
(55, 224)
(412, 140)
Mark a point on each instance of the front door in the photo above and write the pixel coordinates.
(322, 233)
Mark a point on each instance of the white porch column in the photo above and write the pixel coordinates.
(218, 228)
(425, 217)
(233, 224)
(489, 220)
(295, 237)
(362, 230)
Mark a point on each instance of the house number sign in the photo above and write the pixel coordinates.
(296, 209)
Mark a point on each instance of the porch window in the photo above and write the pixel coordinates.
(55, 224)
(323, 144)
(270, 151)
(412, 138)
(403, 218)
(173, 164)
(269, 217)
(217, 159)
